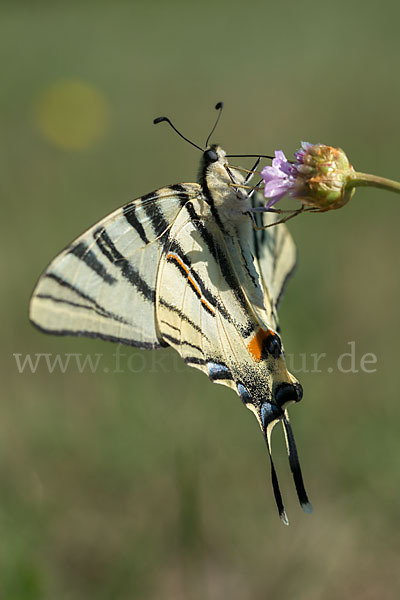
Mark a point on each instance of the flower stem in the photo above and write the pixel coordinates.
(358, 179)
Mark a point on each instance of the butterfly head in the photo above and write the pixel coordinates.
(213, 163)
(218, 179)
(213, 155)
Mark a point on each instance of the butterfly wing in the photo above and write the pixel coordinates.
(189, 291)
(275, 258)
(205, 287)
(103, 284)
(183, 266)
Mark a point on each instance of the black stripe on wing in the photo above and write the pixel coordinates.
(175, 247)
(194, 282)
(193, 360)
(110, 251)
(154, 213)
(129, 213)
(245, 262)
(179, 342)
(82, 251)
(182, 316)
(100, 311)
(96, 307)
(170, 325)
(220, 257)
(102, 336)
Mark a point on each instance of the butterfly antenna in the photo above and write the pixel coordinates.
(295, 466)
(219, 106)
(249, 156)
(161, 119)
(275, 483)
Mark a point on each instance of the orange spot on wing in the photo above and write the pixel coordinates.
(255, 345)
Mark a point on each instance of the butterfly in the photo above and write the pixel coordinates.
(185, 266)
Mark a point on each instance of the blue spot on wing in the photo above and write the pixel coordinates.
(244, 394)
(218, 371)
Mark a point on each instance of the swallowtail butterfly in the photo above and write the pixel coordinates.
(184, 266)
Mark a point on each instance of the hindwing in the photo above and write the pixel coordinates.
(214, 303)
(275, 258)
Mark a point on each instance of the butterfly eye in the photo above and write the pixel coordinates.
(272, 345)
(211, 156)
(288, 392)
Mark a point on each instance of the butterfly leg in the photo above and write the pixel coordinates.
(293, 214)
(278, 211)
(252, 170)
(315, 209)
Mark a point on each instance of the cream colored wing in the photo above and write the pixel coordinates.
(103, 284)
(275, 258)
(203, 307)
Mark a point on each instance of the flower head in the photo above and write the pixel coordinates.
(318, 177)
(278, 178)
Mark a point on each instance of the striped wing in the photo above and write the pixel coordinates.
(195, 303)
(204, 311)
(275, 258)
(103, 284)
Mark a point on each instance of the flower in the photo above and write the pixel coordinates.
(278, 179)
(320, 177)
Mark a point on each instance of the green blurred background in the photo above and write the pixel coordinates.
(151, 482)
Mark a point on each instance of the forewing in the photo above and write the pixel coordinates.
(103, 284)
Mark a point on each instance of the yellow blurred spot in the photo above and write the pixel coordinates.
(72, 114)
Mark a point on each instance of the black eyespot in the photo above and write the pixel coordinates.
(211, 156)
(272, 345)
(288, 392)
